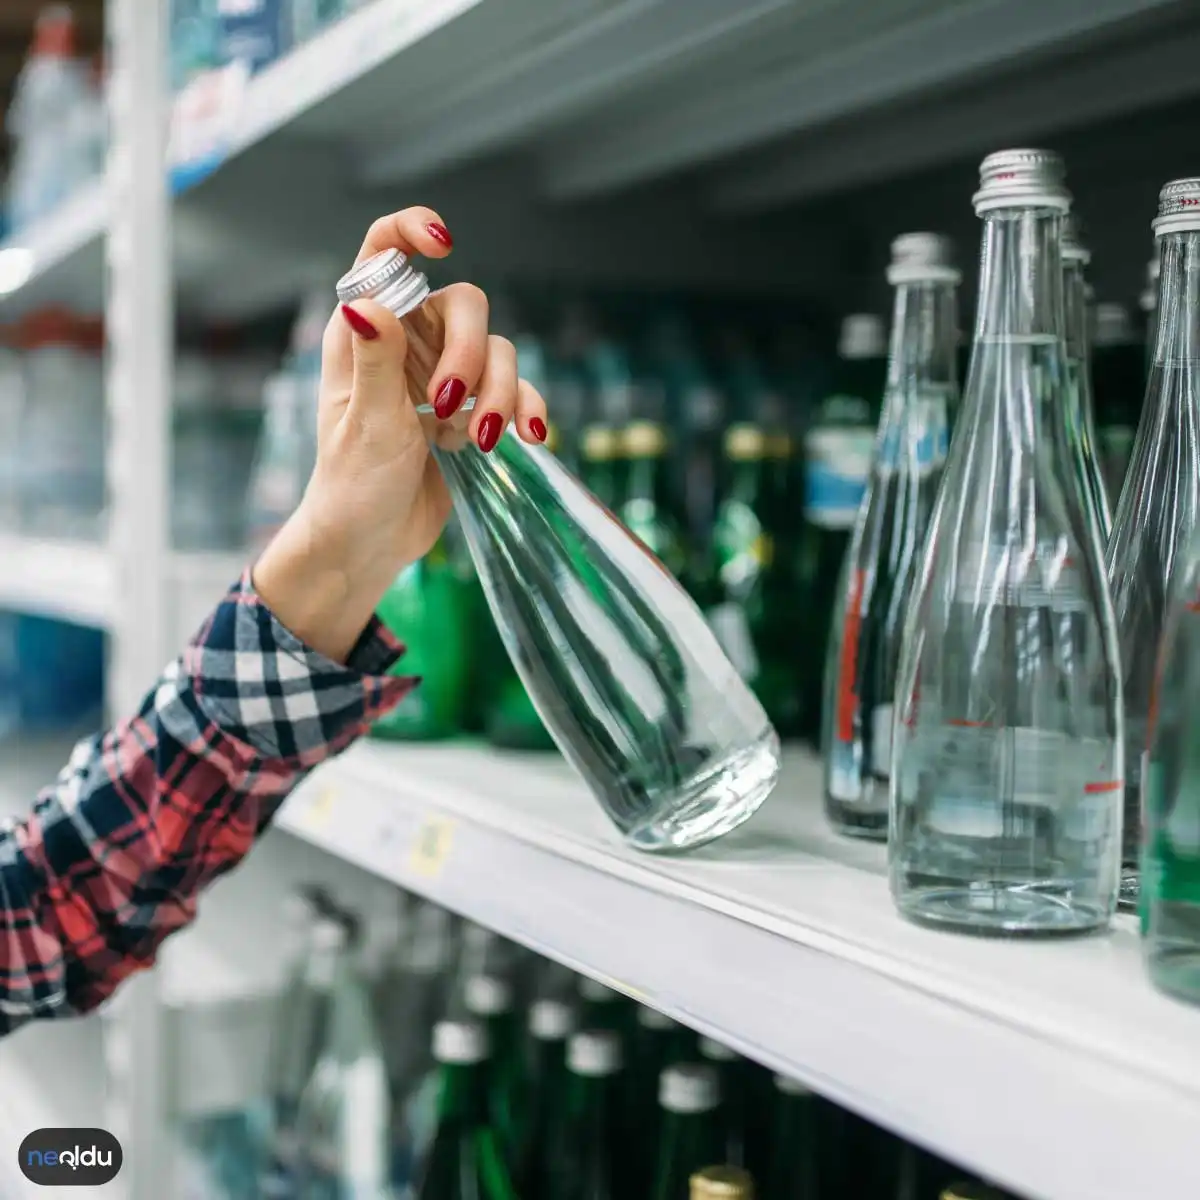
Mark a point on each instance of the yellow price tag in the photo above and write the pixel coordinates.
(431, 848)
(320, 809)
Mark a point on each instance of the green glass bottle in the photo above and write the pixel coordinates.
(602, 1007)
(752, 614)
(600, 453)
(465, 1159)
(591, 1160)
(489, 999)
(793, 1171)
(736, 1113)
(429, 608)
(646, 508)
(541, 1095)
(689, 1133)
(658, 1042)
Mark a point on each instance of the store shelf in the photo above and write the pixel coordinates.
(1053, 1068)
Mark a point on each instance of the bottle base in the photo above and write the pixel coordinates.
(1173, 950)
(708, 805)
(1131, 890)
(853, 822)
(1000, 909)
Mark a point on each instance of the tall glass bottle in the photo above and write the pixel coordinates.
(1118, 383)
(1148, 303)
(551, 1023)
(646, 506)
(592, 1155)
(838, 445)
(630, 681)
(1170, 894)
(602, 1007)
(792, 1173)
(658, 1042)
(600, 452)
(1007, 759)
(1079, 372)
(489, 999)
(689, 1136)
(736, 1115)
(889, 533)
(1160, 501)
(466, 1158)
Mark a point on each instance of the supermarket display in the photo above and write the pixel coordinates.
(1170, 865)
(620, 663)
(1007, 756)
(884, 553)
(1082, 424)
(1160, 502)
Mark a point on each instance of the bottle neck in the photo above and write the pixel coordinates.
(1177, 336)
(1021, 279)
(462, 1099)
(643, 481)
(1076, 312)
(924, 336)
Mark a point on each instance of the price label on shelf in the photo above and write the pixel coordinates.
(432, 846)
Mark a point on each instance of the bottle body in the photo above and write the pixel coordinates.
(884, 556)
(1157, 512)
(1007, 760)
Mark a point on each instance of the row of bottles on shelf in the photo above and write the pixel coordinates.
(441, 1062)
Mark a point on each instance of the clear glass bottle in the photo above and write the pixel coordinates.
(1082, 423)
(1160, 501)
(721, 1183)
(1148, 303)
(1170, 892)
(1007, 759)
(889, 534)
(620, 663)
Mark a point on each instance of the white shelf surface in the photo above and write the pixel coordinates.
(1052, 1068)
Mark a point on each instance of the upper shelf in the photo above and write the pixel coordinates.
(488, 108)
(1054, 1068)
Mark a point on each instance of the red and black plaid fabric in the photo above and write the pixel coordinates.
(115, 854)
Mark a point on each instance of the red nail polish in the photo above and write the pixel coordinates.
(449, 397)
(439, 233)
(538, 428)
(359, 323)
(489, 431)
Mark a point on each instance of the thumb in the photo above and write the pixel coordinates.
(380, 350)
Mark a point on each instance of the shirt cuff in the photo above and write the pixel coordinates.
(265, 687)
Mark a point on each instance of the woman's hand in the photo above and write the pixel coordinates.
(377, 501)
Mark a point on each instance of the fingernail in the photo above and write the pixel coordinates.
(450, 395)
(359, 323)
(489, 431)
(538, 428)
(439, 233)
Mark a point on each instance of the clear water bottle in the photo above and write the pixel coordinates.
(889, 534)
(619, 662)
(1148, 303)
(1170, 887)
(1082, 420)
(1007, 761)
(1160, 501)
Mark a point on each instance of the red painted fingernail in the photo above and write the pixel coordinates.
(538, 428)
(450, 395)
(439, 233)
(359, 323)
(489, 431)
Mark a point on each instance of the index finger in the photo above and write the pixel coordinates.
(414, 230)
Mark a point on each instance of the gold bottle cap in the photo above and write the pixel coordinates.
(644, 439)
(972, 1191)
(599, 443)
(722, 1183)
(744, 443)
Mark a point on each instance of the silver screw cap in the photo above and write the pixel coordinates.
(1022, 179)
(388, 278)
(922, 257)
(1178, 207)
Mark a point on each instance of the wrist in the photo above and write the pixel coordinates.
(319, 587)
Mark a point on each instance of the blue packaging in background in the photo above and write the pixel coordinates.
(51, 674)
(254, 31)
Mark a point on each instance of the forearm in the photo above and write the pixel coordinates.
(115, 854)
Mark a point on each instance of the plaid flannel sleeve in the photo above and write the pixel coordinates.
(115, 854)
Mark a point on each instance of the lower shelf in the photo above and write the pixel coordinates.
(1053, 1068)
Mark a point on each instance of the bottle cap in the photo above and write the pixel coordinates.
(389, 279)
(488, 996)
(651, 1018)
(722, 1183)
(550, 1020)
(743, 443)
(1178, 207)
(1113, 325)
(594, 1052)
(921, 258)
(459, 1042)
(689, 1088)
(599, 443)
(790, 1086)
(644, 439)
(1073, 249)
(716, 1051)
(1022, 179)
(862, 337)
(595, 992)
